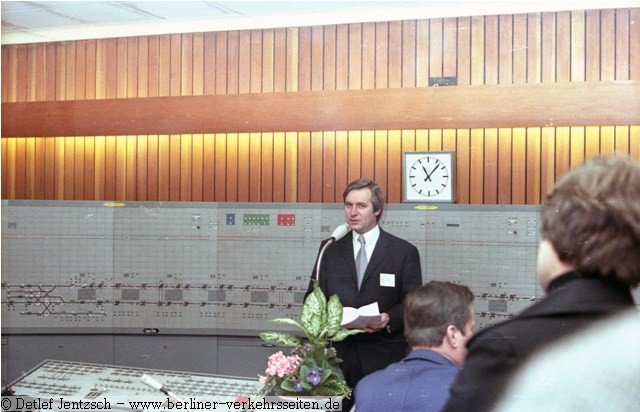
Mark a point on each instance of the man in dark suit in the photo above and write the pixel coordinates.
(438, 321)
(390, 270)
(588, 262)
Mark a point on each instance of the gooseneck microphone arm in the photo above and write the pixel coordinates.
(337, 234)
(152, 383)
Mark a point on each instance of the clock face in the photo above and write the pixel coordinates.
(429, 177)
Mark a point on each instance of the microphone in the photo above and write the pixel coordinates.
(340, 231)
(337, 234)
(154, 384)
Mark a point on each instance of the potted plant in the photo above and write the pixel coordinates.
(312, 368)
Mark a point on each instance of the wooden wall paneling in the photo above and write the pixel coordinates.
(267, 54)
(305, 59)
(30, 168)
(22, 78)
(329, 190)
(492, 49)
(409, 53)
(577, 146)
(592, 45)
(534, 165)
(279, 168)
(99, 159)
(209, 51)
(548, 47)
(31, 69)
(368, 151)
(562, 152)
(9, 167)
(59, 175)
(40, 168)
(382, 55)
(505, 47)
(592, 142)
(222, 59)
(621, 139)
(422, 53)
(91, 69)
(266, 177)
(293, 59)
(140, 168)
(380, 171)
(101, 69)
(19, 184)
(111, 68)
(491, 166)
(519, 163)
(394, 53)
(131, 168)
(303, 189)
(163, 165)
(245, 68)
(422, 140)
(186, 64)
(354, 155)
(256, 168)
(209, 167)
(435, 140)
(563, 46)
(476, 167)
(175, 167)
(520, 49)
(164, 65)
(534, 48)
(71, 71)
(634, 44)
(68, 165)
(175, 64)
(368, 55)
(221, 170)
(4, 164)
(329, 56)
(622, 44)
(449, 142)
(61, 65)
(280, 60)
(607, 139)
(463, 161)
(79, 169)
(505, 173)
(547, 160)
(291, 166)
(317, 64)
(186, 168)
(5, 73)
(197, 168)
(142, 66)
(394, 168)
(608, 39)
(450, 46)
(355, 56)
(316, 182)
(246, 65)
(577, 40)
(436, 51)
(243, 168)
(153, 168)
(463, 60)
(233, 65)
(198, 64)
(121, 162)
(478, 50)
(634, 141)
(132, 67)
(79, 77)
(122, 76)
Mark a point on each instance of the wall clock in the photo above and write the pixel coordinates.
(429, 177)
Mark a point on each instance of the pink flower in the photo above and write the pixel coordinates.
(262, 379)
(281, 365)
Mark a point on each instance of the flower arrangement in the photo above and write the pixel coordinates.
(312, 368)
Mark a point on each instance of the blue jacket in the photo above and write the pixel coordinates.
(419, 382)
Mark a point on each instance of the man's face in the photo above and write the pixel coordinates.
(358, 211)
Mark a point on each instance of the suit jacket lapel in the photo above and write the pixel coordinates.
(378, 255)
(346, 246)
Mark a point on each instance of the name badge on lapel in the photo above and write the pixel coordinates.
(388, 280)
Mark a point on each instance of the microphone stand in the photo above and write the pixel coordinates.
(337, 234)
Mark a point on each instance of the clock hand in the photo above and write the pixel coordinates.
(429, 174)
(426, 173)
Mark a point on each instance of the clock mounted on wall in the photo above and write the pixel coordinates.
(429, 177)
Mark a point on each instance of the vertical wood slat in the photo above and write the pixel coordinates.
(561, 46)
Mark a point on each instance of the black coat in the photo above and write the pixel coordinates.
(496, 352)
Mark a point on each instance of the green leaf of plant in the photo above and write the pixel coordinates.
(344, 333)
(313, 316)
(281, 339)
(334, 316)
(288, 321)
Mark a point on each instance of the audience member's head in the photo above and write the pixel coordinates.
(439, 316)
(590, 222)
